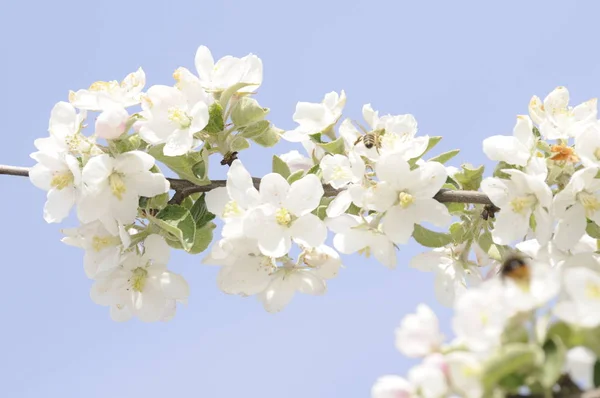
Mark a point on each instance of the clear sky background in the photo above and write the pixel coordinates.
(464, 69)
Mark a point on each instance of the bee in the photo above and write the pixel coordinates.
(229, 158)
(516, 268)
(489, 211)
(371, 139)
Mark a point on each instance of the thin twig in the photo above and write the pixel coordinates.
(184, 188)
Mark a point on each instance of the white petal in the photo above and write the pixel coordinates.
(277, 295)
(510, 226)
(383, 250)
(505, 148)
(398, 225)
(431, 211)
(97, 170)
(570, 228)
(120, 313)
(179, 143)
(156, 249)
(497, 190)
(392, 386)
(523, 131)
(59, 204)
(174, 286)
(393, 169)
(428, 179)
(204, 63)
(216, 200)
(149, 305)
(304, 195)
(274, 189)
(309, 230)
(147, 184)
(134, 162)
(308, 282)
(339, 204)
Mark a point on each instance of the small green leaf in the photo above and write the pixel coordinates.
(190, 167)
(321, 210)
(454, 208)
(255, 130)
(128, 143)
(247, 111)
(591, 339)
(202, 239)
(470, 178)
(178, 224)
(515, 358)
(555, 353)
(503, 166)
(597, 373)
(444, 157)
(334, 147)
(216, 124)
(314, 170)
(158, 202)
(458, 232)
(280, 167)
(570, 337)
(353, 209)
(239, 143)
(200, 212)
(593, 229)
(433, 141)
(269, 137)
(430, 238)
(227, 94)
(295, 176)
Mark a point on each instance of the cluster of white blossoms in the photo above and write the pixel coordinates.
(534, 316)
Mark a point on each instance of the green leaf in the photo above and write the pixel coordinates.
(177, 222)
(597, 373)
(269, 138)
(570, 337)
(515, 358)
(247, 111)
(454, 208)
(334, 147)
(433, 141)
(458, 232)
(200, 213)
(255, 130)
(353, 209)
(314, 170)
(216, 124)
(591, 339)
(430, 238)
(190, 167)
(239, 144)
(227, 94)
(128, 143)
(444, 157)
(158, 202)
(502, 166)
(555, 353)
(295, 176)
(280, 167)
(470, 178)
(202, 239)
(593, 229)
(321, 210)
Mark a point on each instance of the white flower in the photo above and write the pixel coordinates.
(111, 123)
(552, 255)
(102, 248)
(191, 86)
(60, 175)
(113, 187)
(587, 144)
(228, 71)
(519, 198)
(429, 377)
(103, 95)
(323, 260)
(354, 236)
(480, 316)
(286, 214)
(517, 149)
(452, 274)
(578, 200)
(296, 161)
(580, 366)
(542, 285)
(392, 386)
(231, 202)
(465, 372)
(142, 286)
(172, 119)
(409, 196)
(419, 334)
(285, 282)
(582, 305)
(339, 170)
(556, 118)
(316, 117)
(65, 131)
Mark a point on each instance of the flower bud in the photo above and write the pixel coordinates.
(247, 111)
(111, 123)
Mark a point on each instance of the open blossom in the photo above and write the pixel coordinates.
(65, 132)
(419, 334)
(465, 372)
(587, 144)
(429, 377)
(113, 187)
(102, 248)
(552, 255)
(288, 280)
(285, 214)
(141, 285)
(409, 196)
(228, 71)
(339, 170)
(519, 198)
(316, 117)
(392, 386)
(578, 200)
(582, 305)
(60, 175)
(231, 202)
(172, 119)
(556, 118)
(103, 95)
(353, 235)
(296, 161)
(323, 260)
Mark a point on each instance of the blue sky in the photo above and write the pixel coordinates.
(464, 69)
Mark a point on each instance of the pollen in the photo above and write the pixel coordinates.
(405, 199)
(592, 290)
(177, 75)
(564, 153)
(100, 243)
(339, 173)
(523, 203)
(145, 99)
(178, 116)
(117, 185)
(138, 279)
(105, 87)
(366, 251)
(62, 180)
(232, 209)
(590, 203)
(283, 217)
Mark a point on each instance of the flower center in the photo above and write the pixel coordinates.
(522, 204)
(592, 290)
(138, 279)
(366, 251)
(283, 217)
(340, 173)
(597, 153)
(405, 199)
(232, 209)
(100, 243)
(104, 87)
(314, 258)
(117, 185)
(62, 180)
(179, 117)
(563, 152)
(590, 203)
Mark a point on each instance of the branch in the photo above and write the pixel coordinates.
(185, 188)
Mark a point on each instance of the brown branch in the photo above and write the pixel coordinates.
(184, 188)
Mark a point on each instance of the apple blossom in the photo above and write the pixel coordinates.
(419, 334)
(103, 95)
(228, 71)
(316, 117)
(582, 305)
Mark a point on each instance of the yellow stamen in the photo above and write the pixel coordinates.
(283, 217)
(180, 117)
(100, 243)
(117, 185)
(232, 209)
(101, 86)
(523, 203)
(405, 199)
(590, 203)
(138, 279)
(62, 180)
